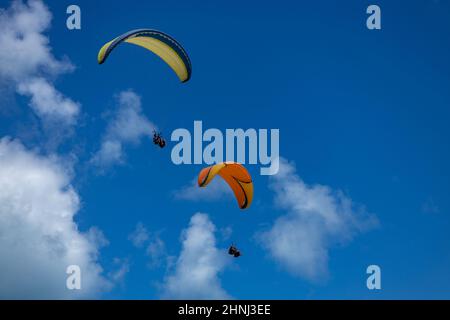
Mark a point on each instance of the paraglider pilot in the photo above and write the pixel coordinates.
(233, 251)
(158, 140)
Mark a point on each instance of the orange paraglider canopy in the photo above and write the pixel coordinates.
(235, 175)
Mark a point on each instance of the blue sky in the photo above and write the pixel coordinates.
(364, 112)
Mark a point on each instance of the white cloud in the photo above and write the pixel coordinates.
(155, 246)
(96, 237)
(127, 126)
(156, 251)
(196, 274)
(217, 189)
(26, 49)
(317, 218)
(139, 236)
(27, 62)
(118, 275)
(110, 153)
(47, 102)
(38, 235)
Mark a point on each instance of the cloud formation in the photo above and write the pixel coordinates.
(128, 125)
(47, 102)
(38, 236)
(155, 248)
(317, 217)
(28, 65)
(123, 267)
(157, 252)
(139, 236)
(196, 274)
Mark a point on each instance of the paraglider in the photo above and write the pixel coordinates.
(237, 178)
(233, 251)
(161, 44)
(158, 140)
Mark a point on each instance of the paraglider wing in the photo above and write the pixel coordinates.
(237, 178)
(161, 44)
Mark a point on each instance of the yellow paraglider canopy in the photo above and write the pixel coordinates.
(161, 44)
(237, 178)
